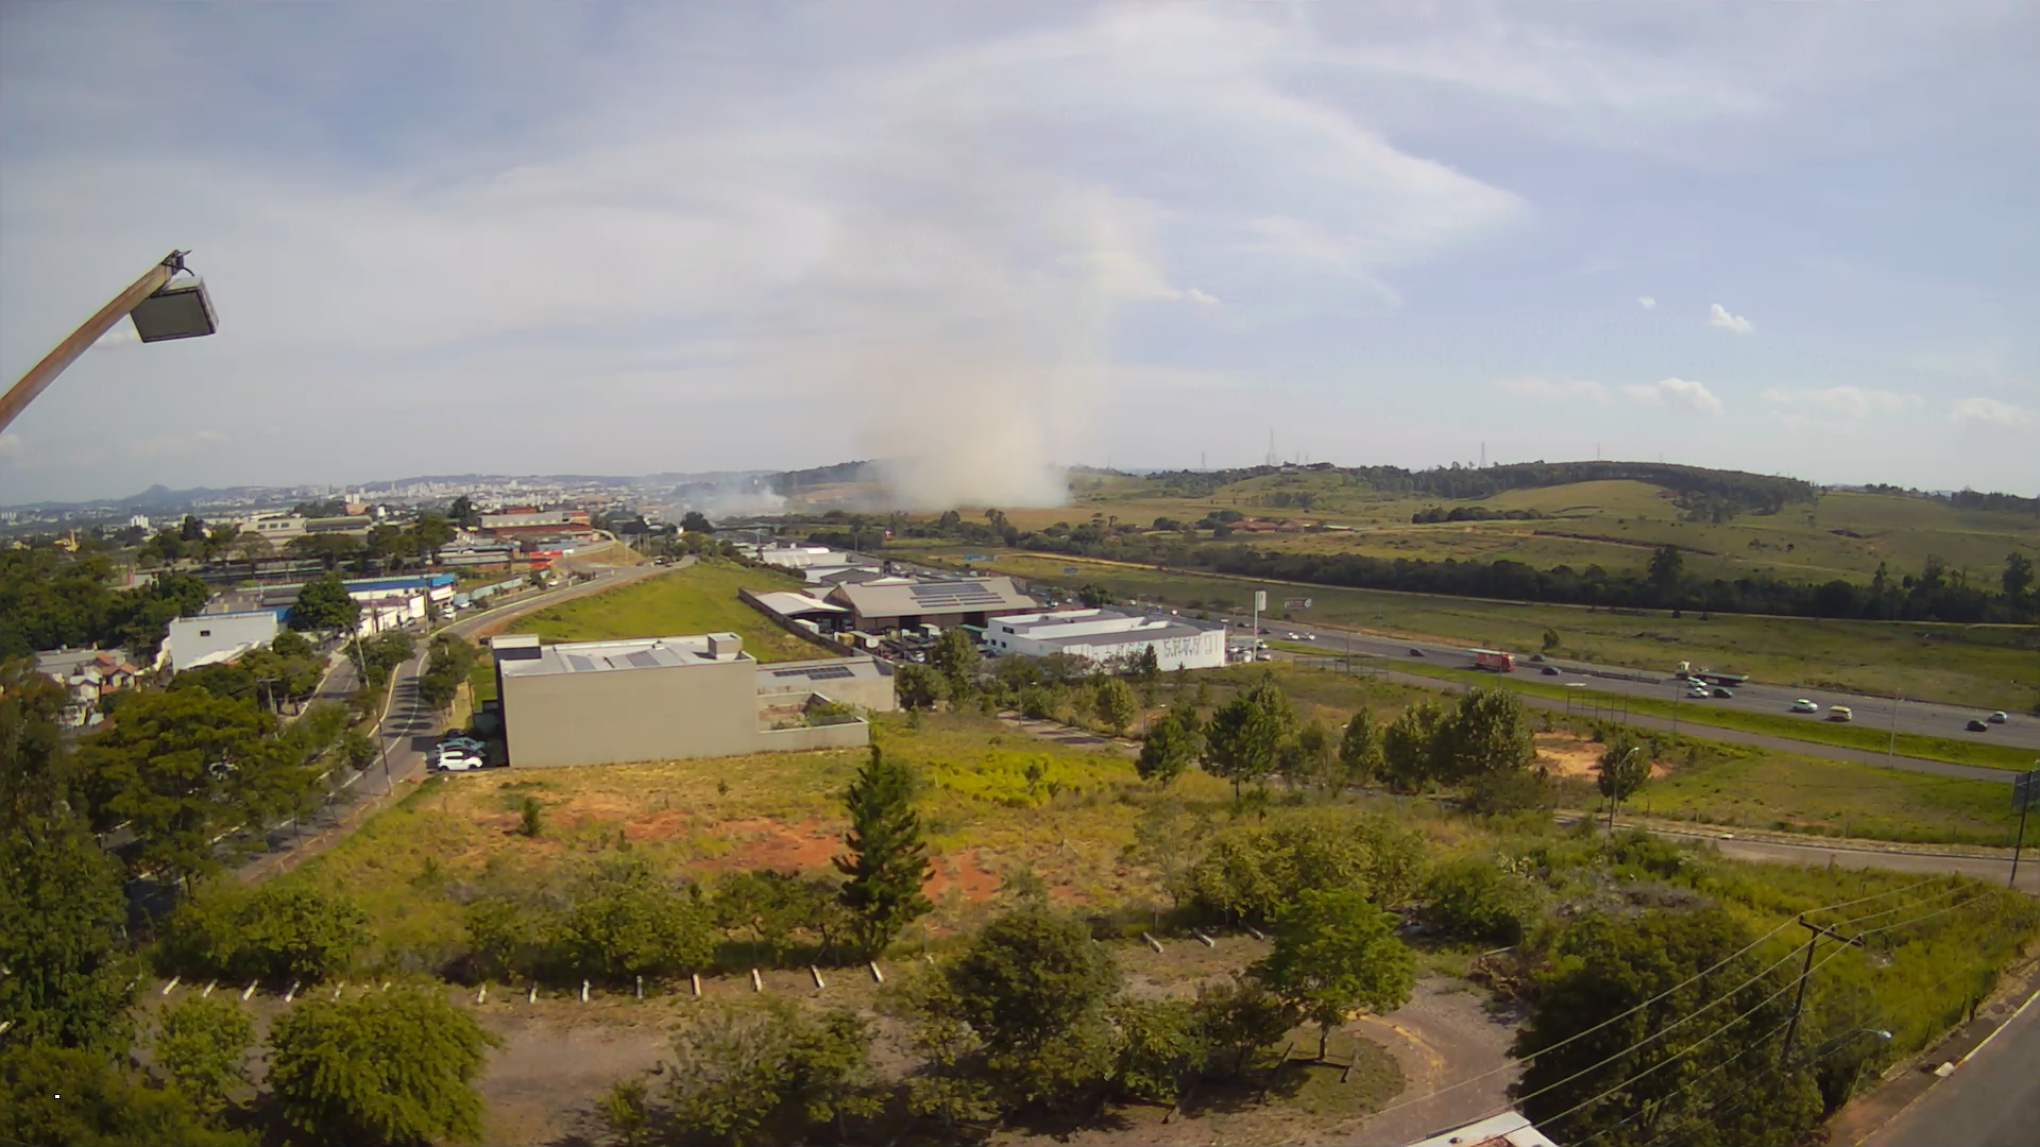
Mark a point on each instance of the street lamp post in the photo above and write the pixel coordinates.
(162, 310)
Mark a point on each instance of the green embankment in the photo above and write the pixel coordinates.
(699, 599)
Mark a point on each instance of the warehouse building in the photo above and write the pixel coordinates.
(669, 698)
(1108, 637)
(887, 605)
(211, 637)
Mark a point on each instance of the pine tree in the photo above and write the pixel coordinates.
(887, 863)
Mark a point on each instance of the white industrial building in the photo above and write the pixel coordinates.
(1107, 637)
(210, 637)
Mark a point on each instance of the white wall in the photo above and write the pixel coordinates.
(1205, 650)
(207, 638)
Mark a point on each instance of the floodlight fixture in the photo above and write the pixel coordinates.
(162, 307)
(179, 309)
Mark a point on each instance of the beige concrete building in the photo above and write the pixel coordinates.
(666, 698)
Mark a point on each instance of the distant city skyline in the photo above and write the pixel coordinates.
(602, 238)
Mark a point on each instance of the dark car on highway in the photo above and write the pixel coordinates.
(1725, 694)
(1415, 652)
(1976, 726)
(1551, 671)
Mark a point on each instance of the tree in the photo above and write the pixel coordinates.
(2018, 577)
(463, 513)
(183, 767)
(1551, 640)
(1336, 952)
(202, 1044)
(627, 922)
(329, 549)
(323, 606)
(1666, 567)
(430, 533)
(1308, 758)
(1488, 733)
(1473, 899)
(918, 687)
(62, 1096)
(281, 934)
(1169, 748)
(61, 896)
(1360, 748)
(1625, 766)
(251, 547)
(1115, 703)
(1409, 746)
(1240, 1018)
(955, 657)
(887, 863)
(695, 522)
(764, 1067)
(1146, 668)
(1160, 1047)
(1094, 596)
(1244, 740)
(1030, 976)
(1614, 1084)
(393, 1067)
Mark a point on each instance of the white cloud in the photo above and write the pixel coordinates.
(1555, 389)
(1718, 316)
(1676, 393)
(1845, 401)
(1992, 411)
(1647, 302)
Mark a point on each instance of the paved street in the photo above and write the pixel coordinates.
(1993, 1100)
(409, 726)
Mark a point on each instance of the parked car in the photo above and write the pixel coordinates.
(447, 760)
(1804, 706)
(1997, 718)
(1724, 694)
(1841, 713)
(1976, 726)
(1551, 671)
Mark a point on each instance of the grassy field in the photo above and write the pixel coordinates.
(1992, 667)
(1808, 728)
(1808, 795)
(699, 599)
(1615, 524)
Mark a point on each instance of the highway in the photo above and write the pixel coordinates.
(1992, 1100)
(1921, 717)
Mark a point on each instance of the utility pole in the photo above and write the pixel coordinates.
(2024, 789)
(1799, 999)
(1891, 749)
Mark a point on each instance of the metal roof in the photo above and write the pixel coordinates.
(608, 656)
(903, 598)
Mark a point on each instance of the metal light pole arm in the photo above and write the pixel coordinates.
(45, 372)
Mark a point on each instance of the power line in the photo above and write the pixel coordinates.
(1689, 981)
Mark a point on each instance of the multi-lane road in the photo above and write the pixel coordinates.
(1921, 717)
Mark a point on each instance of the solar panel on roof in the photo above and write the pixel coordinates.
(643, 659)
(817, 672)
(954, 593)
(580, 663)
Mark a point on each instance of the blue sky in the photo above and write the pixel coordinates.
(630, 238)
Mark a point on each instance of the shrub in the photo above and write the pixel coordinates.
(202, 1044)
(1473, 899)
(275, 933)
(387, 1067)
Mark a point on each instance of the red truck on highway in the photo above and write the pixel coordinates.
(1494, 661)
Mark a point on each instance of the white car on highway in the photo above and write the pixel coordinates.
(1804, 706)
